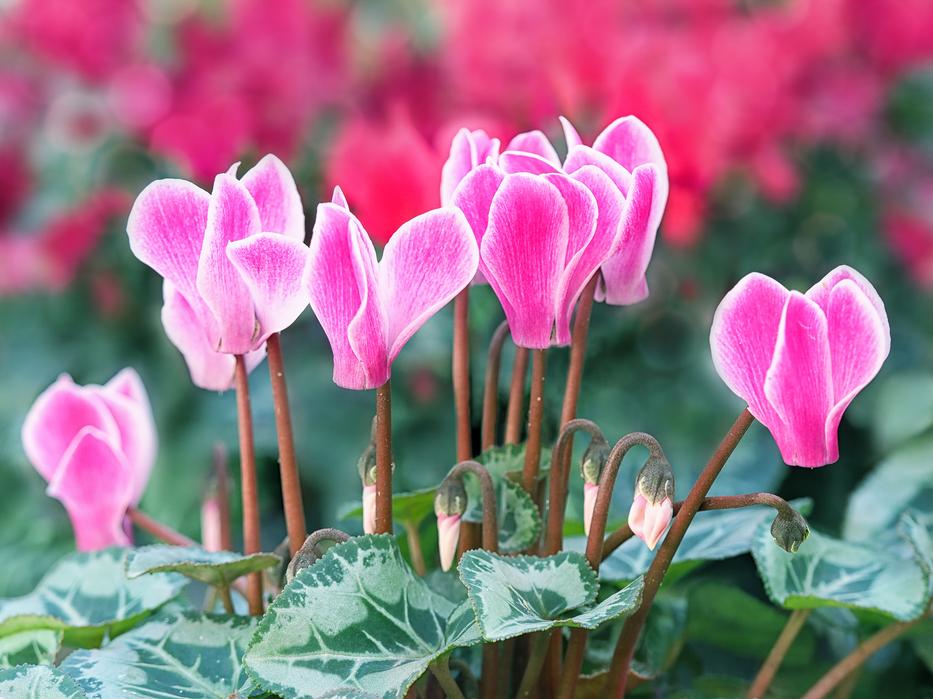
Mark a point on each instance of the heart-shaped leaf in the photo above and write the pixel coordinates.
(358, 618)
(518, 517)
(508, 461)
(38, 682)
(188, 655)
(218, 568)
(523, 594)
(34, 647)
(830, 572)
(87, 596)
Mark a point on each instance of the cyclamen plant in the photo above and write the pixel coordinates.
(363, 616)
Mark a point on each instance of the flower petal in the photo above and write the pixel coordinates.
(590, 493)
(448, 536)
(427, 262)
(272, 267)
(468, 149)
(657, 517)
(126, 398)
(95, 486)
(339, 199)
(630, 143)
(277, 199)
(341, 282)
(799, 383)
(474, 197)
(513, 161)
(537, 143)
(579, 156)
(623, 274)
(232, 216)
(524, 252)
(636, 515)
(743, 337)
(571, 136)
(55, 419)
(822, 291)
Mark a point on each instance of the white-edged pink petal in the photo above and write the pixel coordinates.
(590, 493)
(276, 195)
(513, 161)
(580, 156)
(128, 402)
(822, 290)
(427, 262)
(636, 515)
(630, 142)
(339, 198)
(448, 536)
(537, 143)
(571, 135)
(657, 518)
(474, 197)
(462, 159)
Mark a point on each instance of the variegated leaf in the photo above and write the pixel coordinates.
(37, 682)
(187, 655)
(88, 596)
(218, 568)
(34, 647)
(712, 536)
(518, 517)
(508, 461)
(830, 572)
(523, 594)
(357, 619)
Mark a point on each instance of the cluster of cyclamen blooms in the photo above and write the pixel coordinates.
(538, 230)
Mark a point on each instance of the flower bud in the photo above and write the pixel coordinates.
(594, 458)
(789, 529)
(590, 491)
(648, 521)
(211, 537)
(369, 508)
(655, 481)
(449, 505)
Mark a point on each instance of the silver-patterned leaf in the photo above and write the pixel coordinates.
(523, 594)
(508, 461)
(37, 682)
(712, 536)
(88, 596)
(33, 647)
(218, 568)
(188, 655)
(518, 517)
(357, 619)
(830, 572)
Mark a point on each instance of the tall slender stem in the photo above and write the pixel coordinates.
(441, 671)
(491, 385)
(222, 485)
(251, 543)
(513, 417)
(288, 464)
(384, 459)
(535, 417)
(539, 647)
(160, 531)
(773, 662)
(862, 652)
(581, 331)
(461, 374)
(625, 647)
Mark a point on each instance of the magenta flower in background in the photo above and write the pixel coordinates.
(232, 261)
(370, 309)
(95, 445)
(800, 359)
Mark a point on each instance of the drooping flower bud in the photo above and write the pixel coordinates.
(590, 492)
(594, 458)
(367, 470)
(789, 530)
(449, 505)
(653, 506)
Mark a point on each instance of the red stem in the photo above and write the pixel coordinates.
(251, 542)
(384, 459)
(513, 418)
(461, 374)
(535, 417)
(160, 531)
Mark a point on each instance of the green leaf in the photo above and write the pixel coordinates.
(831, 572)
(523, 594)
(38, 682)
(188, 655)
(662, 638)
(518, 517)
(218, 568)
(712, 536)
(903, 409)
(411, 507)
(87, 596)
(36, 647)
(357, 618)
(508, 461)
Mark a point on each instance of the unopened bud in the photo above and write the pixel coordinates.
(369, 509)
(450, 503)
(590, 491)
(366, 466)
(789, 529)
(655, 481)
(594, 458)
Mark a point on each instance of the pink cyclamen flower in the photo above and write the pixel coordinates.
(370, 309)
(468, 150)
(448, 535)
(648, 521)
(95, 445)
(232, 261)
(800, 359)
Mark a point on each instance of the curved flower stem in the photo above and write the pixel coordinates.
(414, 548)
(288, 464)
(862, 652)
(773, 662)
(223, 591)
(535, 417)
(581, 330)
(491, 386)
(441, 671)
(539, 647)
(720, 502)
(251, 543)
(625, 647)
(222, 493)
(461, 374)
(513, 418)
(160, 531)
(384, 459)
(573, 661)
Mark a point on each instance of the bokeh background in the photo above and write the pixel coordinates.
(799, 136)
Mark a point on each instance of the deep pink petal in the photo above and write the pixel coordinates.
(859, 341)
(132, 412)
(272, 267)
(462, 159)
(343, 289)
(474, 197)
(571, 136)
(822, 290)
(579, 266)
(59, 413)
(580, 156)
(537, 143)
(166, 230)
(277, 199)
(513, 161)
(95, 486)
(127, 383)
(524, 253)
(799, 384)
(427, 262)
(630, 143)
(623, 274)
(743, 337)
